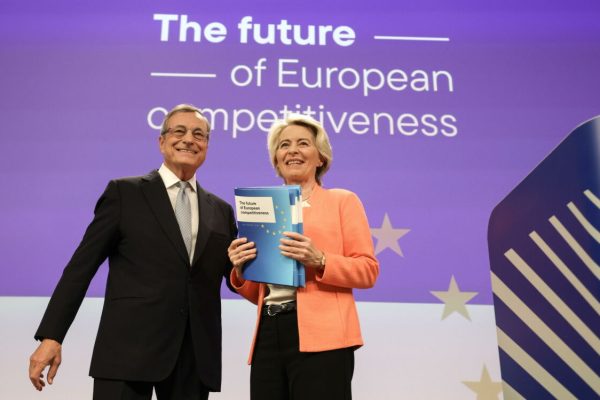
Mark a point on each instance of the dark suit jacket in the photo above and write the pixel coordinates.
(151, 290)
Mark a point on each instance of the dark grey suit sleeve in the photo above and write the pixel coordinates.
(98, 242)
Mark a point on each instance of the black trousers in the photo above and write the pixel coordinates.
(182, 384)
(281, 372)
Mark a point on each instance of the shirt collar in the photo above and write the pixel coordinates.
(170, 179)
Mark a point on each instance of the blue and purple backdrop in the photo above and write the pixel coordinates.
(435, 111)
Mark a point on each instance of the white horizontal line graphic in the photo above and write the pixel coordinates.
(182, 75)
(412, 38)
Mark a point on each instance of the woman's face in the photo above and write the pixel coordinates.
(297, 157)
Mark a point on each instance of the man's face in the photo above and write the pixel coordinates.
(184, 154)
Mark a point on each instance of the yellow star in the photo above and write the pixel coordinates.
(387, 237)
(454, 299)
(485, 388)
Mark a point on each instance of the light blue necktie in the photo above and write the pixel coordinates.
(183, 213)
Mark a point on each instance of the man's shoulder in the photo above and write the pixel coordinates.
(136, 180)
(129, 184)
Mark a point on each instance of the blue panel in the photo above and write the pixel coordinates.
(563, 177)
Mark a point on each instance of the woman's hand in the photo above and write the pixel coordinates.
(300, 248)
(240, 251)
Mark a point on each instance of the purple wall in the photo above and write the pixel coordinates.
(77, 90)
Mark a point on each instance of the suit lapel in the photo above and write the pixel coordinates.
(205, 213)
(156, 194)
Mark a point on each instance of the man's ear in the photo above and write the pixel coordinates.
(161, 140)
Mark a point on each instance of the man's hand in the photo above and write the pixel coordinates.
(48, 353)
(240, 251)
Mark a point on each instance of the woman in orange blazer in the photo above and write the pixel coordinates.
(305, 338)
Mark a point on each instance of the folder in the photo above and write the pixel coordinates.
(263, 214)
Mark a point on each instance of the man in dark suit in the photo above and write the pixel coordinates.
(166, 241)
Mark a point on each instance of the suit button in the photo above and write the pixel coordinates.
(181, 311)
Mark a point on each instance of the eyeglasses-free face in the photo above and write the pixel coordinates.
(297, 157)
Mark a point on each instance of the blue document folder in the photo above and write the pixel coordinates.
(263, 214)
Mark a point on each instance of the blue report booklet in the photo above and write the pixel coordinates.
(263, 214)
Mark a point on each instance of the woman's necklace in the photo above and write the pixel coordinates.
(305, 198)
